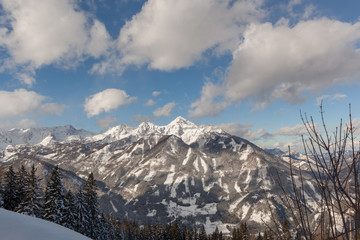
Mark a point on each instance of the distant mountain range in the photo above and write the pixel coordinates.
(149, 173)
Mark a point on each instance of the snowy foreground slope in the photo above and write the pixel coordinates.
(156, 174)
(16, 226)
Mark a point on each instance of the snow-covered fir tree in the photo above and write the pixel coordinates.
(54, 198)
(22, 182)
(91, 201)
(10, 197)
(70, 211)
(81, 214)
(32, 203)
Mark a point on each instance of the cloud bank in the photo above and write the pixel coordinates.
(171, 34)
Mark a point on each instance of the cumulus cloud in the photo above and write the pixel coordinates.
(21, 102)
(172, 34)
(23, 123)
(208, 105)
(107, 100)
(106, 122)
(283, 62)
(156, 93)
(52, 108)
(243, 130)
(164, 111)
(150, 103)
(296, 130)
(291, 63)
(36, 33)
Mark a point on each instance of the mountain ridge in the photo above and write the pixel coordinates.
(196, 174)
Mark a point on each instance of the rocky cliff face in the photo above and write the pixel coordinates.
(197, 174)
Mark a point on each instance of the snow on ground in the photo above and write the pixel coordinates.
(113, 206)
(16, 226)
(245, 154)
(175, 210)
(203, 164)
(211, 226)
(187, 157)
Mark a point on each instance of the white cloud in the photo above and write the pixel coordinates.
(320, 100)
(339, 96)
(242, 130)
(149, 103)
(165, 110)
(173, 34)
(156, 93)
(36, 33)
(331, 98)
(296, 130)
(26, 78)
(292, 63)
(23, 123)
(356, 125)
(52, 108)
(207, 105)
(107, 100)
(99, 40)
(106, 122)
(21, 102)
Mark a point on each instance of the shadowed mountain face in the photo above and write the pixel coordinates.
(152, 173)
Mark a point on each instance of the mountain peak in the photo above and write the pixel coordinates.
(181, 121)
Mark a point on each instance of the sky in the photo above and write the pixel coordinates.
(248, 66)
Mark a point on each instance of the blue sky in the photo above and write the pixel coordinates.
(247, 66)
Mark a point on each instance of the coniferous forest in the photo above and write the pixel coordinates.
(21, 192)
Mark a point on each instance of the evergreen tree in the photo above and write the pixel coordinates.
(32, 203)
(105, 229)
(175, 232)
(69, 219)
(159, 231)
(91, 202)
(10, 197)
(22, 183)
(195, 233)
(244, 232)
(81, 214)
(54, 198)
(202, 234)
(215, 235)
(236, 235)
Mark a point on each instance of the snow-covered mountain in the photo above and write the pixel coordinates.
(179, 127)
(16, 226)
(42, 135)
(149, 173)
